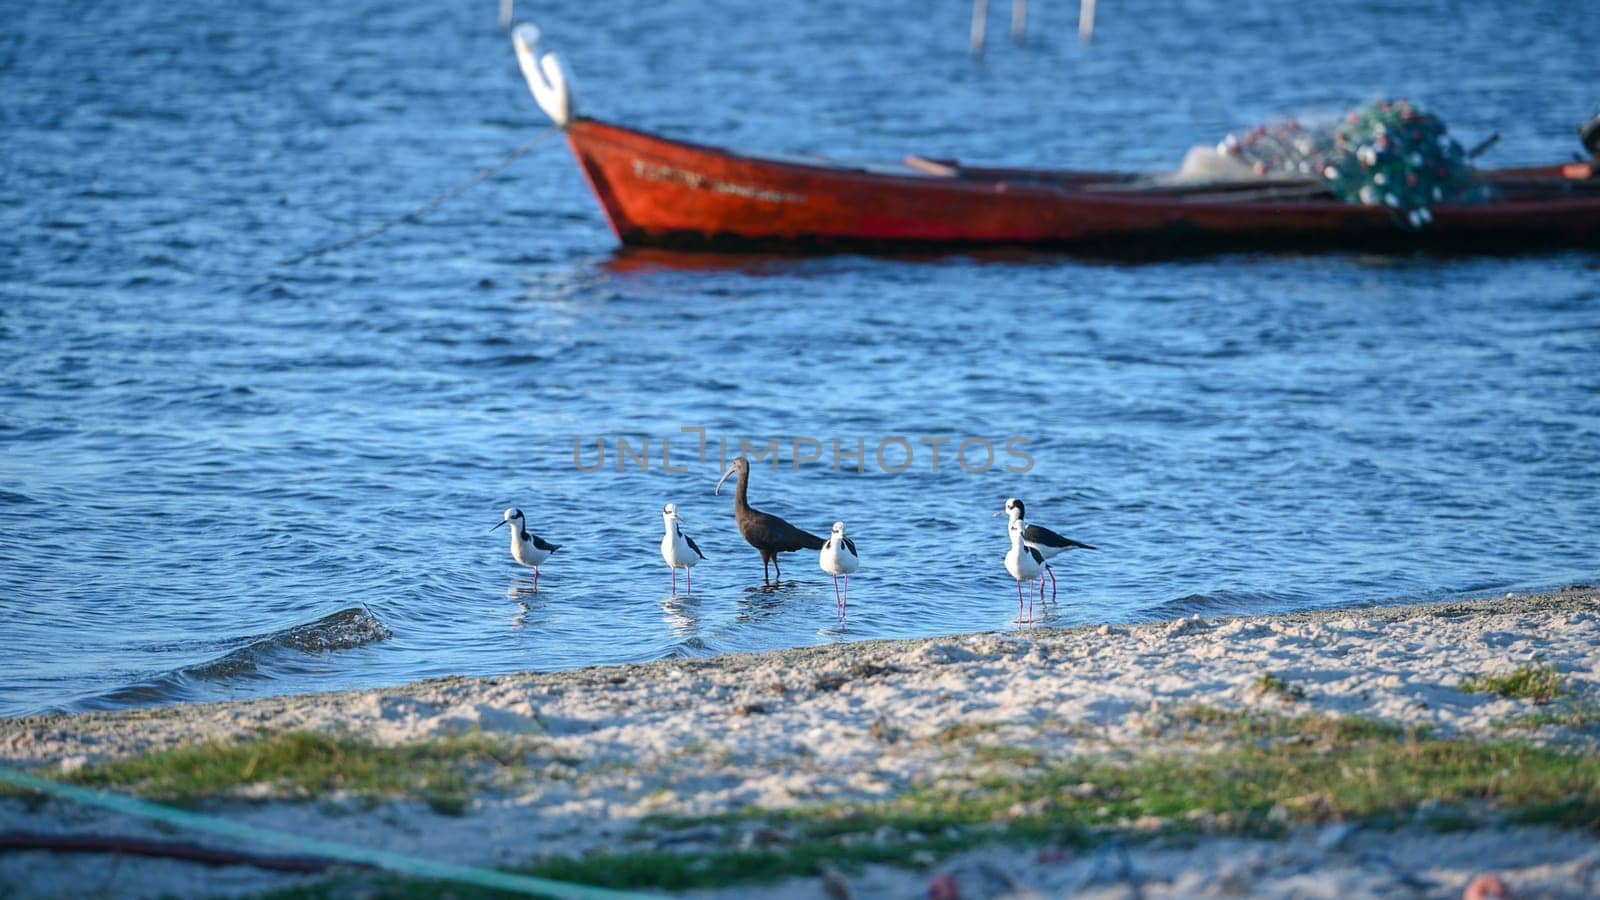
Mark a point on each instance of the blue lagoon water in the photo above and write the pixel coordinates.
(222, 476)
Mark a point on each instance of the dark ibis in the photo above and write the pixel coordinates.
(764, 531)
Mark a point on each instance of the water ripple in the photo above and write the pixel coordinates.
(273, 657)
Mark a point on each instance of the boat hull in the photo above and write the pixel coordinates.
(666, 193)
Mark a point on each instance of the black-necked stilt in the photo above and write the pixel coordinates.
(1024, 563)
(1047, 542)
(839, 557)
(528, 549)
(764, 531)
(678, 549)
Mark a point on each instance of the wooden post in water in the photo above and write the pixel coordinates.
(1086, 20)
(508, 10)
(980, 26)
(1019, 19)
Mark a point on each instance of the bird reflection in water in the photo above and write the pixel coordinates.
(682, 615)
(762, 603)
(526, 595)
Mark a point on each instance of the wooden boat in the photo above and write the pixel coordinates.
(661, 192)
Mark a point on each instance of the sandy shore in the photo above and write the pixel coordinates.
(860, 723)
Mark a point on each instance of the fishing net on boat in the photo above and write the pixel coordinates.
(1390, 153)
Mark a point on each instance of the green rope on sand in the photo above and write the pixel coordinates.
(393, 862)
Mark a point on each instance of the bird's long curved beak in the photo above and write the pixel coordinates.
(502, 522)
(998, 514)
(724, 478)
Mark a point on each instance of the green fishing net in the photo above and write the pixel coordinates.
(1390, 153)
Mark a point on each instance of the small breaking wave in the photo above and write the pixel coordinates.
(1220, 603)
(264, 657)
(346, 629)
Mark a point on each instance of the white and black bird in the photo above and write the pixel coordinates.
(678, 549)
(839, 558)
(1047, 542)
(1024, 563)
(528, 549)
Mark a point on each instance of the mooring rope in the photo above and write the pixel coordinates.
(398, 863)
(438, 201)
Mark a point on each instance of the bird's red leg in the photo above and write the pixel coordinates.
(674, 580)
(1052, 584)
(536, 578)
(688, 581)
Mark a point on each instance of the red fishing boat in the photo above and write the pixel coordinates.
(661, 192)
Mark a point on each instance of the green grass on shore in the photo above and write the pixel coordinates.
(305, 765)
(1223, 772)
(1540, 683)
(1577, 716)
(1275, 773)
(1229, 727)
(1269, 683)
